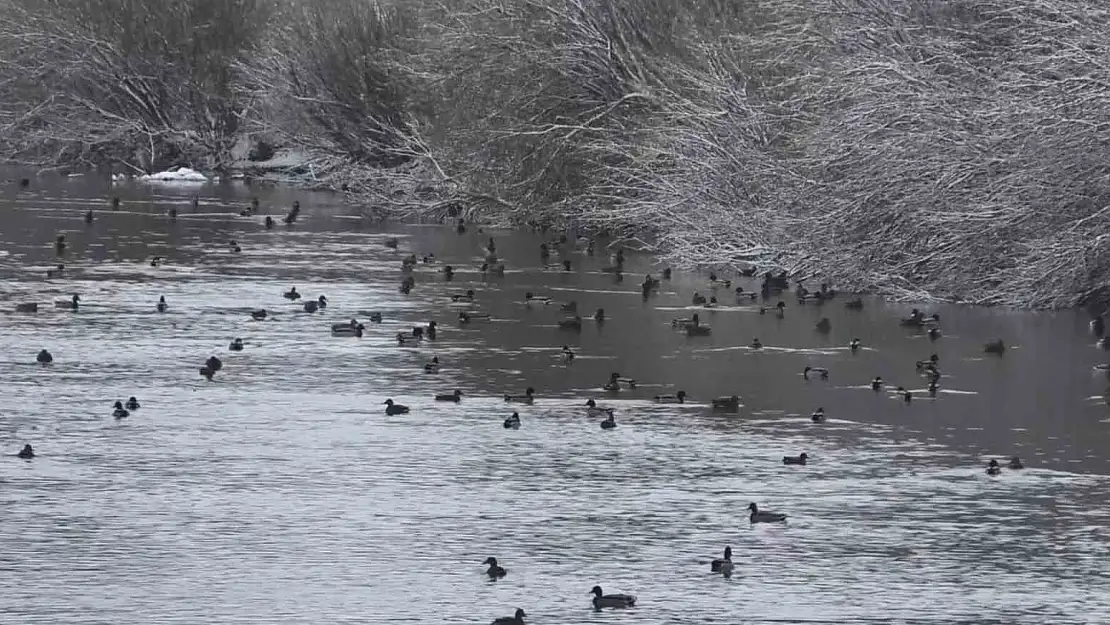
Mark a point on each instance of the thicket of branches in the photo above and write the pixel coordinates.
(921, 148)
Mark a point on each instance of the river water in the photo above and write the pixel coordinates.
(282, 493)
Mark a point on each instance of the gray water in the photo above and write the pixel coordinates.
(282, 493)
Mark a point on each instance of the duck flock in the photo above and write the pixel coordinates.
(556, 254)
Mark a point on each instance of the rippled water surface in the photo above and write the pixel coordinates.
(282, 493)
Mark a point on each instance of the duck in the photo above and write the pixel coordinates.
(526, 398)
(455, 397)
(799, 459)
(448, 273)
(495, 269)
(568, 354)
(512, 422)
(666, 273)
(877, 384)
(731, 403)
(599, 316)
(463, 297)
(677, 398)
(759, 516)
(214, 363)
(1015, 462)
(821, 371)
(614, 383)
(494, 570)
(931, 361)
(855, 344)
(268, 223)
(742, 294)
(132, 404)
(712, 303)
(429, 330)
(531, 298)
(26, 453)
(698, 330)
(755, 344)
(407, 340)
(56, 272)
(571, 323)
(467, 317)
(292, 294)
(236, 345)
(233, 246)
(714, 282)
(609, 423)
(854, 304)
(824, 325)
(295, 212)
(907, 396)
(394, 409)
(602, 600)
(563, 266)
(258, 315)
(155, 261)
(172, 215)
(89, 217)
(44, 357)
(391, 243)
(933, 388)
(354, 330)
(119, 412)
(698, 299)
(428, 259)
(70, 304)
(715, 565)
(818, 416)
(161, 307)
(60, 243)
(374, 317)
(593, 410)
(433, 366)
(313, 306)
(27, 307)
(995, 347)
(515, 619)
(993, 468)
(571, 306)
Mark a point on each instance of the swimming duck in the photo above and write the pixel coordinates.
(70, 304)
(236, 345)
(799, 459)
(714, 282)
(26, 453)
(712, 303)
(758, 516)
(995, 347)
(818, 416)
(433, 366)
(496, 269)
(854, 304)
(515, 619)
(824, 325)
(312, 306)
(88, 217)
(526, 398)
(821, 371)
(161, 304)
(132, 403)
(715, 565)
(907, 396)
(877, 384)
(463, 297)
(233, 245)
(742, 294)
(610, 422)
(295, 212)
(855, 344)
(407, 340)
(467, 317)
(119, 412)
(391, 243)
(292, 294)
(698, 330)
(268, 223)
(530, 298)
(258, 315)
(698, 299)
(512, 422)
(993, 468)
(571, 306)
(408, 262)
(568, 355)
(1015, 462)
(394, 409)
(727, 403)
(933, 388)
(685, 322)
(571, 323)
(934, 334)
(755, 344)
(455, 397)
(602, 600)
(931, 361)
(355, 330)
(28, 307)
(60, 243)
(615, 380)
(448, 273)
(214, 363)
(155, 261)
(677, 398)
(599, 316)
(44, 357)
(375, 317)
(57, 271)
(494, 570)
(593, 410)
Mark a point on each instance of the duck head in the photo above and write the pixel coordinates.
(803, 456)
(118, 405)
(529, 391)
(599, 315)
(566, 265)
(490, 561)
(591, 403)
(323, 299)
(754, 508)
(528, 295)
(596, 591)
(681, 395)
(728, 553)
(388, 402)
(993, 463)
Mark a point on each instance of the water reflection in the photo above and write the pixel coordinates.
(282, 492)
